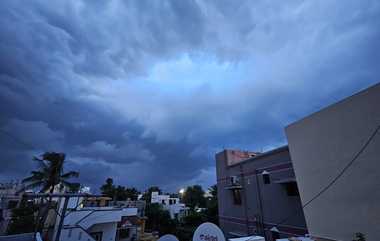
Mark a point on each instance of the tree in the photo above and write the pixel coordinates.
(22, 219)
(132, 193)
(108, 188)
(159, 219)
(359, 237)
(194, 197)
(212, 205)
(118, 193)
(48, 176)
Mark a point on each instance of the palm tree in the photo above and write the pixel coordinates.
(48, 176)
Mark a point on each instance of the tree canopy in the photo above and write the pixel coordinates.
(194, 196)
(50, 174)
(118, 193)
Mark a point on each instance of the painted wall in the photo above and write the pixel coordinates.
(75, 234)
(321, 145)
(245, 219)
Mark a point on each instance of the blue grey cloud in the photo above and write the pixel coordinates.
(147, 91)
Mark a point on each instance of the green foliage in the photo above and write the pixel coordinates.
(212, 205)
(22, 219)
(359, 237)
(159, 219)
(194, 197)
(118, 193)
(50, 174)
(195, 219)
(108, 188)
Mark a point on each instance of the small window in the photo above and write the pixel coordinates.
(163, 201)
(292, 189)
(236, 194)
(170, 201)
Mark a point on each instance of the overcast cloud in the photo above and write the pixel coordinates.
(147, 91)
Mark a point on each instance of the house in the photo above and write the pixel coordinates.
(22, 237)
(9, 199)
(176, 209)
(322, 145)
(256, 192)
(98, 223)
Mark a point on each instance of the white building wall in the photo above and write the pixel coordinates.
(320, 146)
(173, 205)
(75, 234)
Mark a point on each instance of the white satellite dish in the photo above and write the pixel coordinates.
(208, 232)
(168, 237)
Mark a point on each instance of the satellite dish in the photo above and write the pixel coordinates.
(208, 232)
(168, 237)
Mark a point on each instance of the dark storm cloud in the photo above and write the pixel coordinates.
(62, 64)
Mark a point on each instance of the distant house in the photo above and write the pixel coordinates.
(176, 209)
(258, 191)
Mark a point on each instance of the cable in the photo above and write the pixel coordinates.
(340, 174)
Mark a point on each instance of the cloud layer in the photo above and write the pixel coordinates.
(147, 91)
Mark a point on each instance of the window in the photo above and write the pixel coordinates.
(292, 189)
(163, 201)
(170, 201)
(236, 194)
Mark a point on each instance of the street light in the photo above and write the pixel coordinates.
(181, 191)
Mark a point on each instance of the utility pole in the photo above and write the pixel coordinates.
(66, 197)
(66, 202)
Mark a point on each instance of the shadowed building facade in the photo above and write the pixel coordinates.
(257, 191)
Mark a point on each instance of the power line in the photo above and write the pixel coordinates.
(335, 179)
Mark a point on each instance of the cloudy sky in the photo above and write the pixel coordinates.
(147, 91)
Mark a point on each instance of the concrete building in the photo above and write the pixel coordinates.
(256, 191)
(176, 209)
(98, 223)
(9, 199)
(321, 145)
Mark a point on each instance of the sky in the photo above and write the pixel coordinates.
(146, 92)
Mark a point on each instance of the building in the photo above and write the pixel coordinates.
(98, 223)
(22, 237)
(176, 209)
(9, 199)
(321, 145)
(256, 192)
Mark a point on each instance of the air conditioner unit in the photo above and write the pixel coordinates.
(235, 180)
